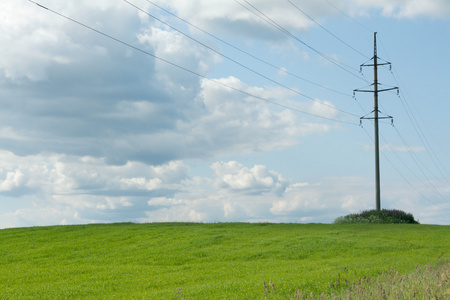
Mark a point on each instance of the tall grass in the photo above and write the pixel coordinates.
(431, 281)
(205, 261)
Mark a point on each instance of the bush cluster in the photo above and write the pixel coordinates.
(385, 216)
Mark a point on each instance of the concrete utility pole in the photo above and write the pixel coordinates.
(376, 117)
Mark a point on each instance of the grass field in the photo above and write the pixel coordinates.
(205, 261)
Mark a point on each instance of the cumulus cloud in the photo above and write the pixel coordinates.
(340, 193)
(179, 50)
(87, 187)
(40, 42)
(94, 131)
(63, 189)
(85, 95)
(61, 174)
(232, 175)
(409, 8)
(256, 19)
(239, 17)
(13, 179)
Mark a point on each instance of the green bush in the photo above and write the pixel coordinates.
(385, 216)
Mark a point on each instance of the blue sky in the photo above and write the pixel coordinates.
(218, 115)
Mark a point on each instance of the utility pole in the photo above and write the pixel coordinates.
(376, 116)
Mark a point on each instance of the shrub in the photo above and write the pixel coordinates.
(385, 216)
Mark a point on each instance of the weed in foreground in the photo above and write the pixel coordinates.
(426, 282)
(179, 294)
(268, 289)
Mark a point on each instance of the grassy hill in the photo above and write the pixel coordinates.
(205, 261)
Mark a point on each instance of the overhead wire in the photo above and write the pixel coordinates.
(412, 118)
(431, 186)
(339, 39)
(191, 71)
(421, 166)
(186, 69)
(283, 70)
(348, 16)
(238, 63)
(418, 162)
(328, 31)
(273, 23)
(414, 187)
(423, 137)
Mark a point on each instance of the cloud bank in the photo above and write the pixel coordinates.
(94, 131)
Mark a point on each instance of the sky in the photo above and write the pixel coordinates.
(221, 110)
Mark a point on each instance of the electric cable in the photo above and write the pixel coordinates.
(238, 63)
(288, 33)
(321, 26)
(349, 17)
(245, 52)
(423, 138)
(404, 178)
(416, 160)
(186, 69)
(412, 118)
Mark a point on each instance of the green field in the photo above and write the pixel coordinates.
(205, 261)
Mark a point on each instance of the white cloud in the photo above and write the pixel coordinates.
(71, 190)
(231, 17)
(38, 40)
(324, 109)
(28, 217)
(88, 96)
(65, 175)
(179, 50)
(13, 179)
(342, 194)
(94, 131)
(238, 17)
(409, 8)
(232, 175)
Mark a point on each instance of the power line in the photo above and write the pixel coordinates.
(349, 17)
(423, 137)
(321, 26)
(401, 175)
(238, 63)
(186, 69)
(247, 53)
(429, 149)
(412, 118)
(271, 22)
(416, 160)
(288, 33)
(375, 85)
